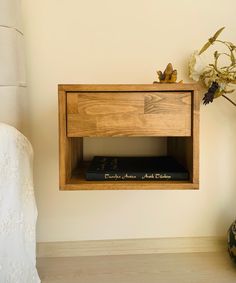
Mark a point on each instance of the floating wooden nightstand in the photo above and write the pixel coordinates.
(155, 110)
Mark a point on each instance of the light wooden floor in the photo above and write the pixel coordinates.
(155, 268)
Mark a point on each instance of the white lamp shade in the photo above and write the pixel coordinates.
(12, 71)
(10, 13)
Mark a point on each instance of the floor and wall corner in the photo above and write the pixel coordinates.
(126, 42)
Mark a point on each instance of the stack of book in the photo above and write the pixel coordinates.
(110, 168)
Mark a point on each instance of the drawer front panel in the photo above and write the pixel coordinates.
(128, 114)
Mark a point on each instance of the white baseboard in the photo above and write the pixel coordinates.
(131, 246)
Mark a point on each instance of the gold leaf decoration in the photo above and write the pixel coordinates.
(211, 40)
(168, 76)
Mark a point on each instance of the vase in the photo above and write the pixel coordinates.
(232, 241)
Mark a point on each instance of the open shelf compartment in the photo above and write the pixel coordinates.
(179, 147)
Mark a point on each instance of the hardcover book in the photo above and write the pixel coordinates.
(110, 168)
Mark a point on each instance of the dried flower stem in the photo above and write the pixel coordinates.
(231, 101)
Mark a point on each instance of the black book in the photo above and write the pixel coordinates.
(109, 168)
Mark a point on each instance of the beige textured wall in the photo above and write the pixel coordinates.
(125, 41)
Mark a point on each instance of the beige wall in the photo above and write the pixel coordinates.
(125, 41)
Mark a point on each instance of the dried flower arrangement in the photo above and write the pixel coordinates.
(219, 80)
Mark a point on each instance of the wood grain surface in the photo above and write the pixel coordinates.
(213, 267)
(129, 114)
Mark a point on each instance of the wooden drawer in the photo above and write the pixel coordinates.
(158, 113)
